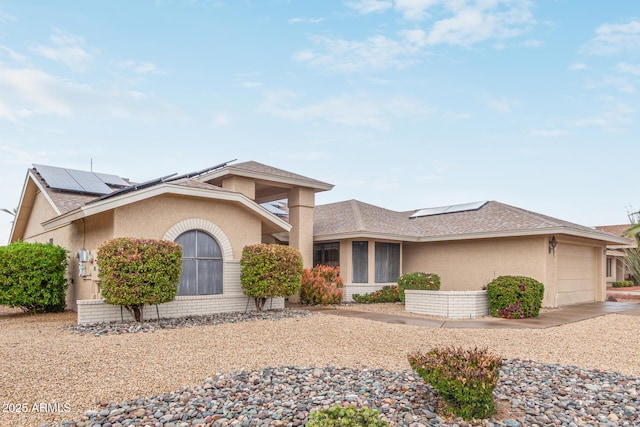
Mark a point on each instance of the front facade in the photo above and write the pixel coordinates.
(215, 213)
(616, 269)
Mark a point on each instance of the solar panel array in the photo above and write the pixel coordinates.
(449, 209)
(78, 181)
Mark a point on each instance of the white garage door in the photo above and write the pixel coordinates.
(576, 273)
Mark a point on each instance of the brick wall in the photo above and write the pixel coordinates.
(98, 311)
(452, 304)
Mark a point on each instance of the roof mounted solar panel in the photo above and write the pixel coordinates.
(110, 179)
(89, 182)
(464, 207)
(58, 178)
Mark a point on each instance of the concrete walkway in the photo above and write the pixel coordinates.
(560, 316)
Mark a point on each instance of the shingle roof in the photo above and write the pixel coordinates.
(618, 229)
(353, 217)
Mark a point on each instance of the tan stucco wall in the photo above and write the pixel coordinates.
(471, 264)
(41, 212)
(240, 184)
(152, 218)
(580, 271)
(301, 202)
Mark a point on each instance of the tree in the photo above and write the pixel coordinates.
(269, 271)
(13, 213)
(134, 272)
(632, 255)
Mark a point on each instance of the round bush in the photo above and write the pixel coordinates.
(32, 276)
(515, 297)
(321, 285)
(134, 272)
(418, 280)
(269, 271)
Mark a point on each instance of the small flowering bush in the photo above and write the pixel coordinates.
(348, 416)
(465, 379)
(386, 294)
(418, 280)
(134, 272)
(515, 297)
(269, 271)
(321, 285)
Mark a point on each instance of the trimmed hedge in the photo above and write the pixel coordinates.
(515, 297)
(269, 271)
(321, 285)
(134, 272)
(348, 416)
(465, 379)
(32, 276)
(386, 294)
(622, 284)
(418, 280)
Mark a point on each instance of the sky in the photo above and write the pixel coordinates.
(404, 104)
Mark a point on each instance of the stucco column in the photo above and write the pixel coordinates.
(240, 184)
(301, 203)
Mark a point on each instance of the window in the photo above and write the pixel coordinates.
(326, 254)
(201, 264)
(609, 265)
(387, 262)
(360, 262)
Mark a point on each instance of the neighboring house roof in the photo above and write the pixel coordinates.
(355, 219)
(617, 229)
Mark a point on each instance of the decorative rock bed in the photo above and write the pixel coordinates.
(452, 304)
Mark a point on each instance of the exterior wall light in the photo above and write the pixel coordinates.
(552, 245)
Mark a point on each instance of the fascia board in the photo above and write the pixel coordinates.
(473, 236)
(316, 185)
(30, 177)
(143, 194)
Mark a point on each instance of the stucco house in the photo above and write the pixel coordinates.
(615, 266)
(215, 212)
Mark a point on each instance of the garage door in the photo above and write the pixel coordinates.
(576, 274)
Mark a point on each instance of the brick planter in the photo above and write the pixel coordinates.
(452, 304)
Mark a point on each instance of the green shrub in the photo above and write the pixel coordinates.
(622, 284)
(134, 272)
(465, 379)
(348, 416)
(515, 297)
(32, 276)
(418, 280)
(386, 294)
(269, 271)
(321, 285)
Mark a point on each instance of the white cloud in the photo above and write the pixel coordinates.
(28, 92)
(533, 43)
(484, 20)
(377, 52)
(68, 49)
(305, 20)
(415, 10)
(348, 110)
(221, 120)
(614, 119)
(614, 38)
(578, 66)
(633, 69)
(251, 85)
(370, 6)
(549, 133)
(502, 104)
(13, 54)
(141, 67)
(6, 18)
(620, 82)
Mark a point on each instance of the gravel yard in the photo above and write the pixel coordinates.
(45, 363)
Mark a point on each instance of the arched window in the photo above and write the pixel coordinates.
(201, 264)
